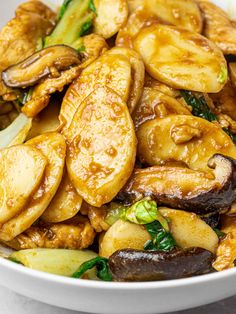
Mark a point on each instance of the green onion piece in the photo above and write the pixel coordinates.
(92, 7)
(63, 8)
(162, 240)
(85, 28)
(223, 76)
(103, 271)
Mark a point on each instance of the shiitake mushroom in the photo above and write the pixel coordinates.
(135, 265)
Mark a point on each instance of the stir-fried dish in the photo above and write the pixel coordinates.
(118, 139)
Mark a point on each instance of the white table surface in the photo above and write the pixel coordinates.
(12, 303)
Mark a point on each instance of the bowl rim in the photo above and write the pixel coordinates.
(153, 285)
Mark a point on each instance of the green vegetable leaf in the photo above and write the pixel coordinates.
(219, 233)
(103, 271)
(161, 239)
(223, 76)
(63, 8)
(81, 49)
(201, 109)
(85, 28)
(92, 7)
(199, 106)
(144, 212)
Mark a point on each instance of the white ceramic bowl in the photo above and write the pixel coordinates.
(112, 298)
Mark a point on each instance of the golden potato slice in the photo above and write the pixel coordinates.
(182, 13)
(65, 204)
(182, 59)
(133, 5)
(123, 235)
(111, 16)
(218, 27)
(183, 138)
(226, 252)
(102, 147)
(113, 71)
(138, 20)
(138, 74)
(53, 147)
(189, 230)
(46, 121)
(155, 104)
(22, 169)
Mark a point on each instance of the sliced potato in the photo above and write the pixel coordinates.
(226, 252)
(53, 147)
(185, 139)
(135, 4)
(155, 104)
(123, 235)
(65, 204)
(22, 169)
(218, 27)
(182, 13)
(111, 16)
(163, 88)
(46, 121)
(182, 59)
(189, 230)
(113, 71)
(102, 147)
(138, 20)
(57, 261)
(138, 74)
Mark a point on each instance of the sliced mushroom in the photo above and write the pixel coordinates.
(75, 234)
(218, 27)
(161, 87)
(109, 70)
(20, 37)
(182, 59)
(187, 139)
(49, 61)
(185, 189)
(155, 104)
(101, 147)
(134, 265)
(53, 147)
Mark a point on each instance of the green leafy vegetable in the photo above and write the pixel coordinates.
(115, 210)
(63, 8)
(219, 233)
(161, 239)
(199, 106)
(85, 29)
(92, 7)
(144, 212)
(76, 19)
(101, 263)
(201, 109)
(223, 76)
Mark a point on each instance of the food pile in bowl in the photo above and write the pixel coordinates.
(118, 139)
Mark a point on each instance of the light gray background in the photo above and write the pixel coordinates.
(11, 303)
